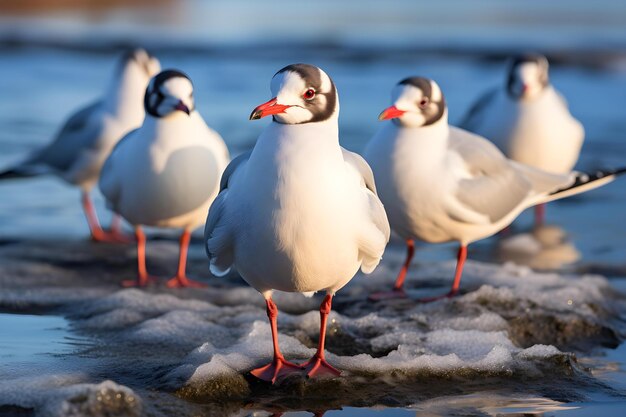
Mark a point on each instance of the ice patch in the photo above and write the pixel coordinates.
(510, 324)
(66, 396)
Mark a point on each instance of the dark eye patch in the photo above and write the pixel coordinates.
(321, 109)
(432, 113)
(154, 96)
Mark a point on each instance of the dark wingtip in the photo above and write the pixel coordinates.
(584, 178)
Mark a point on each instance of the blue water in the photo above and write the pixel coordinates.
(31, 340)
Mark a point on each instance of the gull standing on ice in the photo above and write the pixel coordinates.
(165, 173)
(88, 136)
(529, 120)
(298, 213)
(440, 183)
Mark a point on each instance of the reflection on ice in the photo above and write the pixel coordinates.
(545, 247)
(513, 329)
(494, 404)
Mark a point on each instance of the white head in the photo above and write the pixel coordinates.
(124, 95)
(528, 76)
(417, 102)
(302, 94)
(169, 93)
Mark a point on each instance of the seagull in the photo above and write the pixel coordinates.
(86, 139)
(440, 183)
(166, 173)
(298, 213)
(529, 121)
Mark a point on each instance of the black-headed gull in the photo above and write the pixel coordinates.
(88, 136)
(440, 183)
(529, 120)
(298, 213)
(165, 173)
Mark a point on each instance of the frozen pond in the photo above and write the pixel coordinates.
(516, 341)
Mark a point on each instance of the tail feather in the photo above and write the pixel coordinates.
(14, 173)
(26, 169)
(584, 182)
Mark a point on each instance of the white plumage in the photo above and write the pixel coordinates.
(167, 172)
(86, 139)
(298, 213)
(441, 184)
(528, 120)
(540, 132)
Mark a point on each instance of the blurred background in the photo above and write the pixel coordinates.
(57, 55)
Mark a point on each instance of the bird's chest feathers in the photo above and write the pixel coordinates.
(543, 116)
(166, 137)
(307, 187)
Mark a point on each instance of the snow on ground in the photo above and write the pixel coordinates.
(510, 327)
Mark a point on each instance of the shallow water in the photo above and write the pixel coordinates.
(31, 340)
(156, 342)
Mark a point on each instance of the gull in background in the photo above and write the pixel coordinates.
(86, 139)
(298, 213)
(440, 183)
(167, 172)
(529, 120)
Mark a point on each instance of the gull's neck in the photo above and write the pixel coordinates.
(125, 95)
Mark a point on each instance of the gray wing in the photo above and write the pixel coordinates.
(476, 110)
(75, 135)
(232, 167)
(108, 182)
(363, 168)
(217, 233)
(377, 210)
(493, 186)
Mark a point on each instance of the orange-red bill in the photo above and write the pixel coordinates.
(391, 113)
(268, 108)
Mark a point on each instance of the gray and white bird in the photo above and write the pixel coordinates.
(529, 120)
(298, 213)
(440, 183)
(167, 172)
(86, 139)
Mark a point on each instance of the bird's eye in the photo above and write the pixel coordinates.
(423, 102)
(309, 94)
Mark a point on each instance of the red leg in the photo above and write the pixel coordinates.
(116, 231)
(143, 279)
(279, 366)
(398, 288)
(317, 365)
(97, 233)
(540, 214)
(181, 280)
(460, 261)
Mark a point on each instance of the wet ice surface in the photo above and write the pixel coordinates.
(524, 340)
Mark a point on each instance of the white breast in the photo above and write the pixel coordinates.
(297, 211)
(168, 172)
(541, 133)
(409, 168)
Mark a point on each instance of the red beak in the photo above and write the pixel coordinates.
(391, 113)
(524, 88)
(266, 109)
